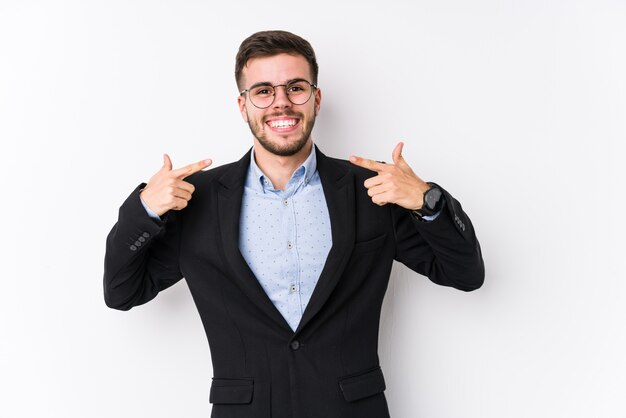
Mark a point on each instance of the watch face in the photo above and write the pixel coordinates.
(432, 198)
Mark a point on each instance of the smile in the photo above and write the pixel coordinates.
(282, 123)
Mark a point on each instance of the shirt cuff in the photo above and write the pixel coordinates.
(151, 213)
(430, 218)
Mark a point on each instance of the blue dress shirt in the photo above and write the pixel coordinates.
(285, 236)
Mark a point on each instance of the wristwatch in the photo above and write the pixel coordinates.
(433, 199)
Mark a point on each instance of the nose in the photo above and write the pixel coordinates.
(281, 100)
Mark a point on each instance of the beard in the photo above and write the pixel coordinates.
(288, 150)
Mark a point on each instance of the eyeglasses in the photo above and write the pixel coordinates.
(263, 95)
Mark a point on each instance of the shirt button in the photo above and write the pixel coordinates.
(285, 202)
(289, 245)
(293, 288)
(295, 345)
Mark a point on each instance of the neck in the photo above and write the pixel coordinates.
(277, 168)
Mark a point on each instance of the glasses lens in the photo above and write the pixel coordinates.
(299, 92)
(262, 96)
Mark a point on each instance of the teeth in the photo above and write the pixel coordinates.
(282, 123)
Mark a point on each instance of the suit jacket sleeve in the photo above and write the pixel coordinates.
(141, 256)
(445, 250)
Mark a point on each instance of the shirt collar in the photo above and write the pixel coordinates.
(256, 176)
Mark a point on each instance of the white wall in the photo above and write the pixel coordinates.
(518, 108)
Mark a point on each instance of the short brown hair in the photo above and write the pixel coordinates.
(274, 42)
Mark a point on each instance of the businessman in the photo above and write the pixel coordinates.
(287, 252)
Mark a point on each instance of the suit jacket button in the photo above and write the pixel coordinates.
(146, 234)
(133, 248)
(295, 345)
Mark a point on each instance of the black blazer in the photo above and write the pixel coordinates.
(328, 367)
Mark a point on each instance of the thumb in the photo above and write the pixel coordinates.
(397, 154)
(167, 163)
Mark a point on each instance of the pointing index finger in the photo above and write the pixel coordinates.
(188, 170)
(369, 164)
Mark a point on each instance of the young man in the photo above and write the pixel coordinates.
(287, 252)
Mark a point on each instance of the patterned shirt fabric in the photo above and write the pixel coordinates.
(285, 236)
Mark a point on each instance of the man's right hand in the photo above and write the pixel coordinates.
(167, 190)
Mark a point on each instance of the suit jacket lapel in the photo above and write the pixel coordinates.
(338, 185)
(230, 196)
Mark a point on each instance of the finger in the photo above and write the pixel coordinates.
(188, 170)
(181, 194)
(369, 164)
(179, 204)
(385, 197)
(397, 154)
(399, 160)
(376, 190)
(167, 163)
(181, 184)
(374, 181)
(379, 200)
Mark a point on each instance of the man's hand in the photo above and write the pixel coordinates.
(395, 183)
(167, 189)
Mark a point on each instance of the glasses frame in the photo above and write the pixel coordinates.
(313, 87)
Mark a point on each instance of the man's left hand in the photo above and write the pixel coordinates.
(395, 183)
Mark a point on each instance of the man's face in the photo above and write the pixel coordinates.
(282, 128)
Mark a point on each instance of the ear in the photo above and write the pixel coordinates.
(241, 102)
(318, 101)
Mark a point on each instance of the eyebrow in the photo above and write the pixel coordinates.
(268, 83)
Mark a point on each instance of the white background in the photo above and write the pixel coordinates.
(518, 108)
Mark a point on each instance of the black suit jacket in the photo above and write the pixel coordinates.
(328, 367)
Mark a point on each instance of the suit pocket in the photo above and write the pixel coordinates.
(231, 391)
(362, 385)
(369, 245)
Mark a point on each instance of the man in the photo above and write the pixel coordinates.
(287, 252)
